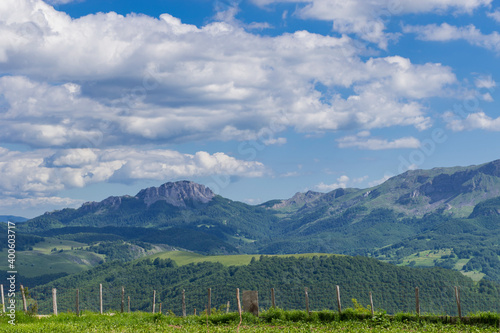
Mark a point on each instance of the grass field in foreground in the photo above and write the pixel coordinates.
(185, 258)
(296, 321)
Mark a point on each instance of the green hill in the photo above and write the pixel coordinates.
(392, 286)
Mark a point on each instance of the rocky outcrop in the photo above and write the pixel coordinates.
(177, 194)
(299, 199)
(110, 202)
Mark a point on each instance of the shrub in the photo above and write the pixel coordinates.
(273, 314)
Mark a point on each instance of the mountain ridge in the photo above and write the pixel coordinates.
(12, 218)
(454, 190)
(436, 187)
(407, 214)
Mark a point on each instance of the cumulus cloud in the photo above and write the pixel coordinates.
(290, 174)
(342, 182)
(368, 19)
(75, 91)
(485, 81)
(62, 2)
(495, 15)
(478, 120)
(158, 80)
(381, 180)
(446, 32)
(362, 141)
(38, 204)
(45, 172)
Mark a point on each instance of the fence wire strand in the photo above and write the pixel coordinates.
(439, 299)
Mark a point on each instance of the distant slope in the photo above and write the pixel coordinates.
(49, 259)
(471, 245)
(12, 218)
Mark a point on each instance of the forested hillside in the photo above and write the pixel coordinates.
(392, 286)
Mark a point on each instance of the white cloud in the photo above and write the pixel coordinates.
(495, 15)
(258, 26)
(359, 180)
(487, 97)
(45, 172)
(252, 201)
(148, 80)
(290, 174)
(485, 81)
(368, 19)
(274, 141)
(473, 121)
(36, 203)
(446, 32)
(362, 141)
(342, 182)
(78, 90)
(380, 181)
(62, 2)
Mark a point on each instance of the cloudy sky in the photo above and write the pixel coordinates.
(257, 99)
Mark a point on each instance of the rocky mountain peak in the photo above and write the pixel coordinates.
(299, 199)
(177, 193)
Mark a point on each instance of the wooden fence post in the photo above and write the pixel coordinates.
(77, 301)
(25, 307)
(128, 304)
(3, 298)
(417, 300)
(307, 302)
(195, 311)
(273, 300)
(209, 308)
(371, 304)
(184, 303)
(338, 299)
(154, 301)
(160, 308)
(122, 307)
(457, 297)
(54, 300)
(100, 299)
(239, 307)
(227, 307)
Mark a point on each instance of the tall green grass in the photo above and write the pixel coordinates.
(272, 320)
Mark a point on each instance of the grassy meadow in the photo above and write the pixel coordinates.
(273, 320)
(182, 258)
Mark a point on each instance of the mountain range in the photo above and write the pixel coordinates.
(12, 218)
(447, 217)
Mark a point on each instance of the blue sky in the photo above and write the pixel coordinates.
(257, 99)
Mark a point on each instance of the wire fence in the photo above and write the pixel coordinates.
(441, 299)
